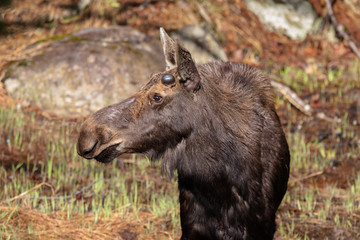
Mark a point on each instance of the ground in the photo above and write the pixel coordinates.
(48, 192)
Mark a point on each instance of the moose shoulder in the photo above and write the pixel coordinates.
(216, 125)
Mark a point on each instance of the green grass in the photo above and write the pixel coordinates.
(74, 185)
(322, 199)
(41, 170)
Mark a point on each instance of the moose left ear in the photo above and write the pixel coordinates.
(169, 49)
(187, 69)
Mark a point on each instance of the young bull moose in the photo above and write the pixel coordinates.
(216, 125)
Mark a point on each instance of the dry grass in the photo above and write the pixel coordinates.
(32, 224)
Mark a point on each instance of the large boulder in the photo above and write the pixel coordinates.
(293, 18)
(86, 70)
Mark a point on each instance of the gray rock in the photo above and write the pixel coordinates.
(86, 70)
(293, 18)
(95, 67)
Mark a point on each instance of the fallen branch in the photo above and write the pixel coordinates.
(340, 29)
(293, 98)
(298, 103)
(307, 177)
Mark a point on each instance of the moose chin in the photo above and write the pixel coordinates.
(216, 125)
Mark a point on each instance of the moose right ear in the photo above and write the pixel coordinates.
(169, 47)
(187, 69)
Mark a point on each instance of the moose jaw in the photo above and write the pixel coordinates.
(216, 125)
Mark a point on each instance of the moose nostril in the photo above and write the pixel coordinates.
(87, 150)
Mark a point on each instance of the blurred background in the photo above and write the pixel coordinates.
(61, 60)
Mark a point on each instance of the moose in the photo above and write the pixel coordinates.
(216, 125)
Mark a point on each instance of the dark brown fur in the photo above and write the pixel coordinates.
(220, 132)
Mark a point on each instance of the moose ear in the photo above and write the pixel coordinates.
(169, 49)
(187, 69)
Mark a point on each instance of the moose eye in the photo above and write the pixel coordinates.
(157, 98)
(167, 79)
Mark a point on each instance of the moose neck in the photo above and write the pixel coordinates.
(212, 141)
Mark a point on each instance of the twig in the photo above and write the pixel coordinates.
(203, 13)
(340, 29)
(307, 177)
(22, 195)
(47, 198)
(293, 98)
(122, 207)
(297, 102)
(89, 186)
(322, 116)
(30, 190)
(144, 4)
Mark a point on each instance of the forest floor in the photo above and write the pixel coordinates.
(48, 192)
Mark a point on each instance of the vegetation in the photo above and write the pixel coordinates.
(48, 192)
(56, 182)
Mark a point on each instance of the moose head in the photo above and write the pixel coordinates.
(151, 121)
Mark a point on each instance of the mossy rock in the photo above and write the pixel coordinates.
(84, 71)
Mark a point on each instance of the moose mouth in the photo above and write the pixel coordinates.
(108, 154)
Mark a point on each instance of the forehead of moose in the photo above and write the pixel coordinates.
(155, 78)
